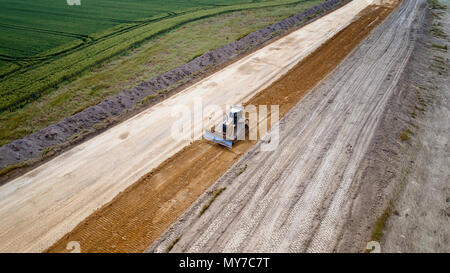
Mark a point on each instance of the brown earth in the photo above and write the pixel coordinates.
(68, 189)
(138, 216)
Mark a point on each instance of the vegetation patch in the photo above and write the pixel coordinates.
(442, 47)
(439, 64)
(39, 73)
(78, 136)
(98, 88)
(405, 135)
(46, 151)
(211, 200)
(148, 98)
(438, 32)
(434, 4)
(241, 170)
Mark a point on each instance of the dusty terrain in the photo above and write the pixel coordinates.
(150, 206)
(419, 218)
(180, 174)
(85, 122)
(330, 177)
(43, 205)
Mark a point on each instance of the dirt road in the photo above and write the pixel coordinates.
(300, 197)
(43, 205)
(138, 216)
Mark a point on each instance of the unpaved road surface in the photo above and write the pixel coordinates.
(139, 215)
(301, 197)
(41, 206)
(420, 216)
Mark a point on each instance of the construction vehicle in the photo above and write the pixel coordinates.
(233, 128)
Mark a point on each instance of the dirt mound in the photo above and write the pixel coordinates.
(34, 145)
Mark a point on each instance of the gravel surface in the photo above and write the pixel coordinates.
(327, 182)
(32, 146)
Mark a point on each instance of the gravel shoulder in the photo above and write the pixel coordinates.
(40, 207)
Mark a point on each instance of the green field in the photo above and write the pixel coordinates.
(32, 27)
(43, 82)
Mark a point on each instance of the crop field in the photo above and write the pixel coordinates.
(25, 77)
(67, 41)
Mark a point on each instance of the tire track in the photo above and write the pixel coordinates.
(298, 198)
